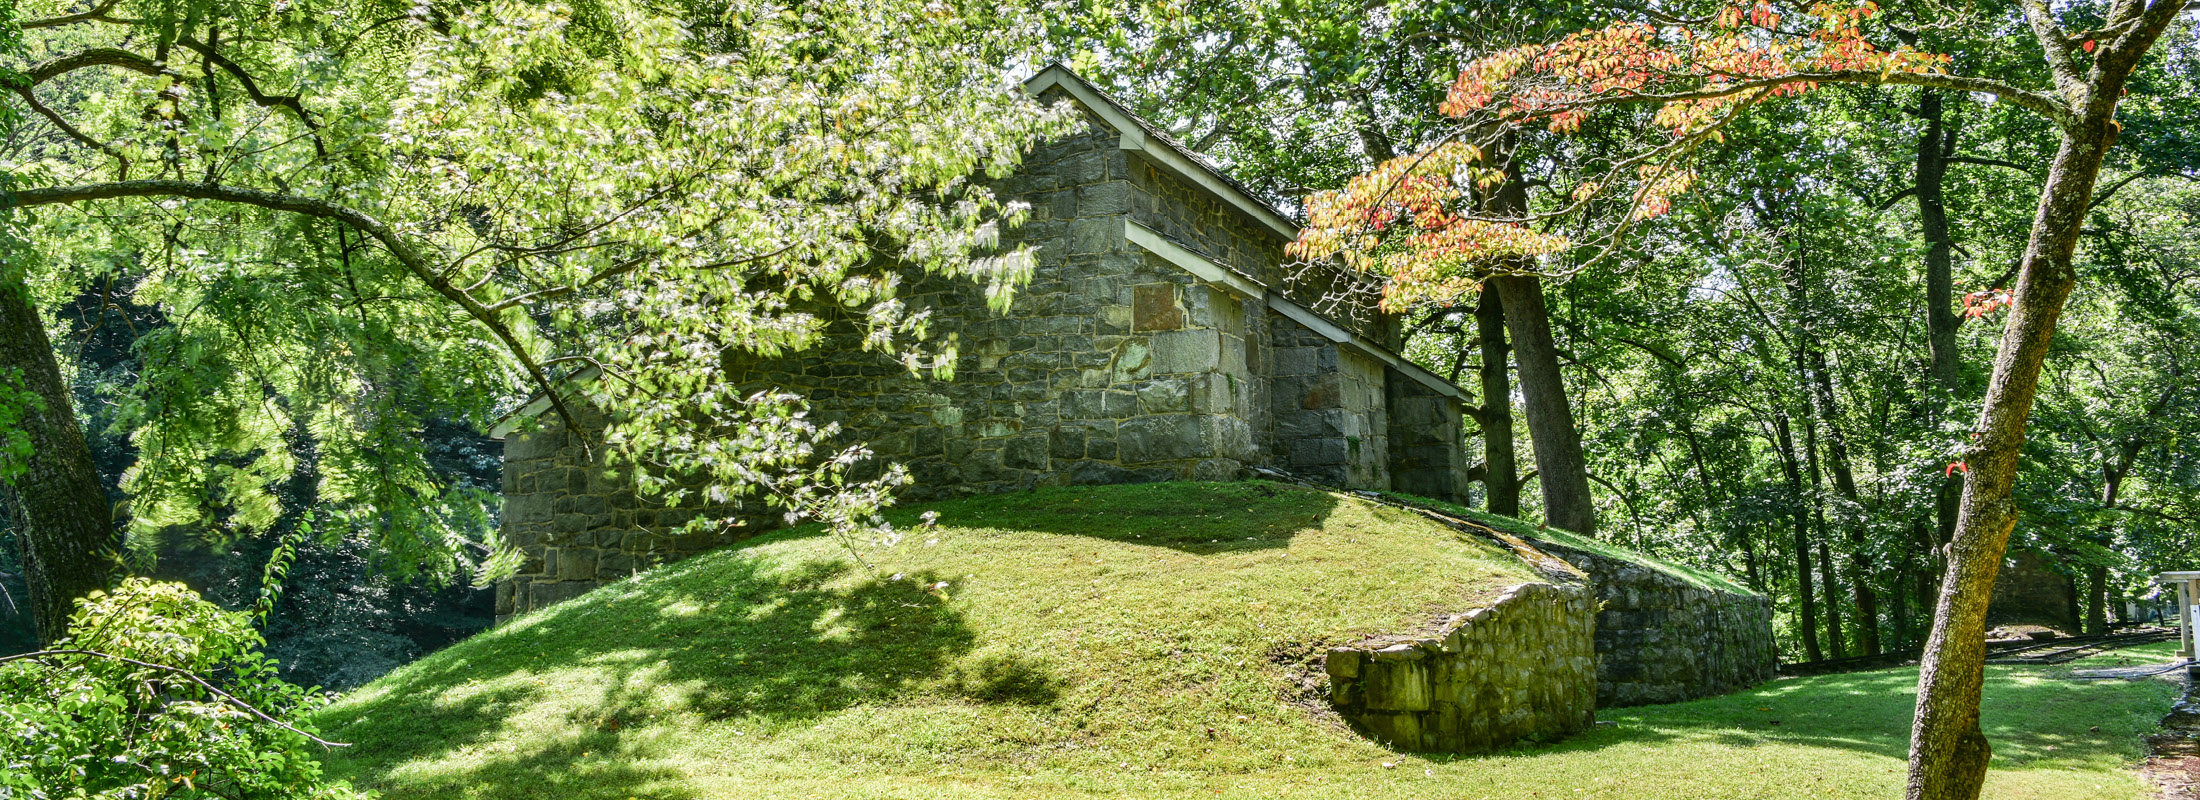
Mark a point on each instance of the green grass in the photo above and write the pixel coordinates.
(1565, 538)
(1113, 642)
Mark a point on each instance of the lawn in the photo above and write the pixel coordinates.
(1118, 642)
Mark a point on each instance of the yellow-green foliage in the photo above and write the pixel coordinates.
(1107, 642)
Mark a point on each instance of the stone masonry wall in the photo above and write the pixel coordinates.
(577, 527)
(1330, 412)
(1660, 639)
(2029, 591)
(1427, 440)
(1522, 668)
(1112, 365)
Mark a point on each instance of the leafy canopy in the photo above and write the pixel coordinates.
(356, 216)
(156, 693)
(1416, 218)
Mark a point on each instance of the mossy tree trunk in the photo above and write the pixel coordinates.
(1500, 467)
(63, 525)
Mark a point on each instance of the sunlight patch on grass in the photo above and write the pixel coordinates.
(1111, 642)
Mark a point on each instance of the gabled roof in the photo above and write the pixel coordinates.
(1160, 148)
(1167, 153)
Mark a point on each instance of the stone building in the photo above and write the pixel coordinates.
(1162, 337)
(2031, 591)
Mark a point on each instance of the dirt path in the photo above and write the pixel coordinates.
(2174, 769)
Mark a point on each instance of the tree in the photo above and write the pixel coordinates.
(354, 217)
(157, 693)
(1703, 73)
(1295, 98)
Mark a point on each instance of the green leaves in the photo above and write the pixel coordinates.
(452, 208)
(157, 693)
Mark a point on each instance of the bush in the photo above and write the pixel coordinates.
(156, 693)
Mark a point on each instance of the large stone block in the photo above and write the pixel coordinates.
(1112, 197)
(1154, 308)
(1095, 235)
(1163, 438)
(1133, 361)
(1187, 351)
(529, 507)
(1317, 424)
(1165, 396)
(1316, 452)
(1028, 452)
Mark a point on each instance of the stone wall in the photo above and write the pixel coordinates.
(1114, 364)
(1662, 639)
(1111, 366)
(1331, 414)
(1521, 668)
(1427, 440)
(2029, 591)
(578, 527)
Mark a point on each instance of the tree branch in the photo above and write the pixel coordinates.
(1989, 162)
(122, 171)
(188, 675)
(2044, 105)
(1889, 202)
(97, 12)
(358, 220)
(2056, 47)
(96, 57)
(252, 89)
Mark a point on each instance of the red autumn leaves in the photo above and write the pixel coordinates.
(1413, 220)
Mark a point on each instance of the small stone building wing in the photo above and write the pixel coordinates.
(1164, 336)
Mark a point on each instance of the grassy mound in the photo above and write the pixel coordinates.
(1082, 630)
(1563, 538)
(1111, 642)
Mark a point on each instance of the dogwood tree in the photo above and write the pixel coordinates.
(1411, 219)
(352, 215)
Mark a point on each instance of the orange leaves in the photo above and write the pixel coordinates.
(1405, 220)
(1746, 47)
(1659, 185)
(1444, 265)
(1960, 466)
(1982, 303)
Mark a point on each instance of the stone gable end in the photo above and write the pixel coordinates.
(1163, 337)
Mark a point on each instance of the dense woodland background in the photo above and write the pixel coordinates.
(1771, 382)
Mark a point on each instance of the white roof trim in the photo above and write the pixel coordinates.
(1192, 262)
(511, 419)
(1167, 155)
(1211, 272)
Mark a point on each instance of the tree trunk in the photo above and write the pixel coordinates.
(1898, 608)
(1861, 567)
(1934, 146)
(1804, 589)
(1558, 458)
(1836, 644)
(1500, 469)
(2096, 599)
(63, 524)
(1948, 751)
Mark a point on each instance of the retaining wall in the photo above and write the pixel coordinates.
(1522, 668)
(1662, 639)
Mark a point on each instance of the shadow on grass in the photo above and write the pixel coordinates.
(2032, 718)
(579, 687)
(1198, 518)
